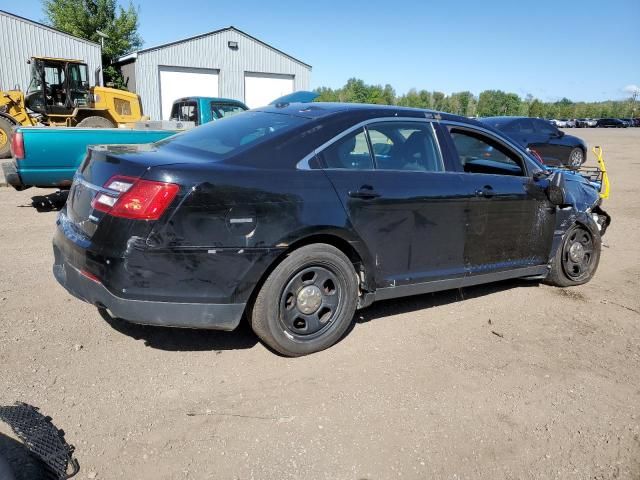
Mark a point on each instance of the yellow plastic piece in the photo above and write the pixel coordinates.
(604, 189)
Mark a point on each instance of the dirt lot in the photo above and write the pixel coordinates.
(420, 388)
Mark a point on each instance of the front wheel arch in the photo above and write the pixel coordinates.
(556, 276)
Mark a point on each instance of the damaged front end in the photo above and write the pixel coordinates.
(578, 201)
(578, 193)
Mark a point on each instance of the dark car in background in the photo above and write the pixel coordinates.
(611, 123)
(295, 215)
(553, 145)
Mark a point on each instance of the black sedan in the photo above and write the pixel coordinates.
(611, 123)
(551, 144)
(295, 215)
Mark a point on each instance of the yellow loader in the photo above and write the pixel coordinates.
(59, 95)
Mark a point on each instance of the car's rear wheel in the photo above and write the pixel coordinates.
(577, 259)
(307, 303)
(576, 157)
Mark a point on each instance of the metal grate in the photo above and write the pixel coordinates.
(42, 438)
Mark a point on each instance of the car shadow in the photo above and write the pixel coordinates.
(414, 303)
(184, 339)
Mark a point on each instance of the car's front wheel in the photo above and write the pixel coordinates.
(576, 157)
(576, 260)
(307, 303)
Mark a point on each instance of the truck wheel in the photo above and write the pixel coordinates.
(307, 303)
(576, 260)
(6, 129)
(95, 122)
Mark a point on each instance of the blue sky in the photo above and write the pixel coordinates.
(584, 50)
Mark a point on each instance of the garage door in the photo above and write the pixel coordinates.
(178, 82)
(260, 89)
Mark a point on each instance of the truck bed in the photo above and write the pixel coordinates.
(52, 154)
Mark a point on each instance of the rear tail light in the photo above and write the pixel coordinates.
(17, 146)
(135, 198)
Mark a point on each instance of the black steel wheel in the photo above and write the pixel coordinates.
(577, 258)
(308, 301)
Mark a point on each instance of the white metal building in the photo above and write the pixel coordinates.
(21, 39)
(224, 63)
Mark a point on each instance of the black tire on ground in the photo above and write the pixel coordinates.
(95, 122)
(576, 157)
(6, 130)
(21, 463)
(577, 258)
(315, 276)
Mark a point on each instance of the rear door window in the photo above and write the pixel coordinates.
(409, 146)
(350, 152)
(478, 153)
(185, 111)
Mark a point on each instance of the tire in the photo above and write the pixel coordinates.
(576, 157)
(315, 276)
(569, 269)
(20, 463)
(95, 122)
(6, 130)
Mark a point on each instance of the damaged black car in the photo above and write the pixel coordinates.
(295, 215)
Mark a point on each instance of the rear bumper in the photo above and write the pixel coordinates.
(12, 176)
(214, 316)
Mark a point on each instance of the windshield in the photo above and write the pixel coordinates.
(231, 135)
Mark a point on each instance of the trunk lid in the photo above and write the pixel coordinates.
(101, 164)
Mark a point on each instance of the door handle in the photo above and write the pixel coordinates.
(486, 191)
(366, 192)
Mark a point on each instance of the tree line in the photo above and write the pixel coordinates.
(489, 103)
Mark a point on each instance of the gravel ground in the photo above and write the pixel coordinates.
(510, 380)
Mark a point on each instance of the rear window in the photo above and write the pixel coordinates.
(225, 110)
(230, 135)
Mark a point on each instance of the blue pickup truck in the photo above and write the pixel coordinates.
(202, 110)
(49, 156)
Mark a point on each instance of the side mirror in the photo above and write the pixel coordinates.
(559, 134)
(555, 190)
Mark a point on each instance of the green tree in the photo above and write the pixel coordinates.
(489, 102)
(496, 102)
(84, 18)
(536, 109)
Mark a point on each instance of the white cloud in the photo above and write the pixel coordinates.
(631, 89)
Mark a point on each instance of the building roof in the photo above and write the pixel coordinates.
(47, 27)
(134, 55)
